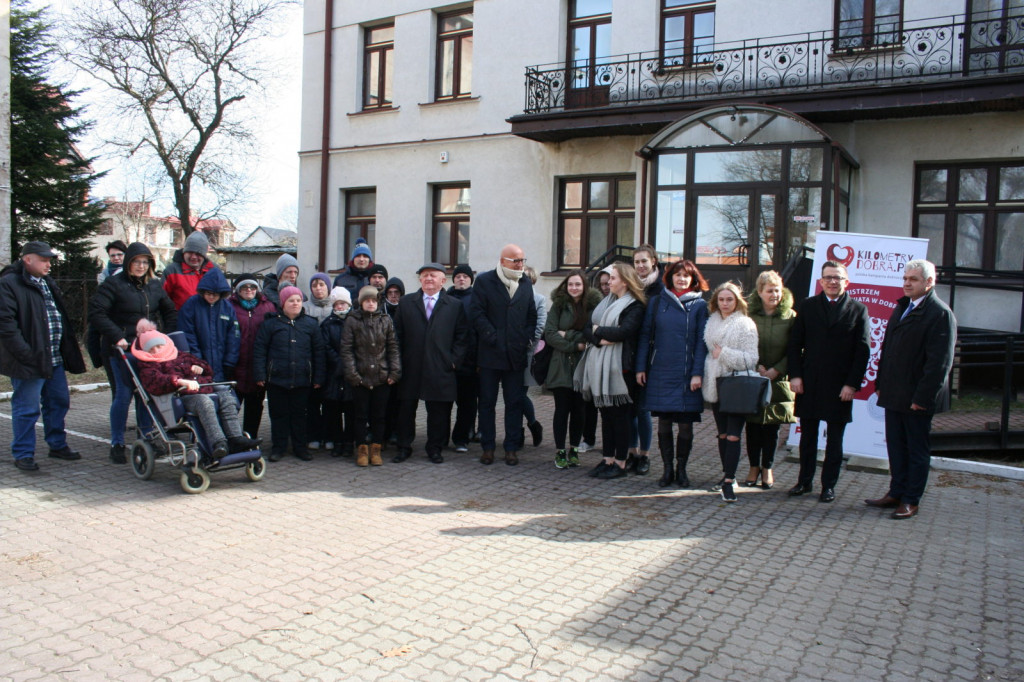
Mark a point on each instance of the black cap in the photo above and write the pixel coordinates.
(39, 248)
(464, 269)
(377, 269)
(431, 266)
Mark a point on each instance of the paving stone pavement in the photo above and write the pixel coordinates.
(324, 571)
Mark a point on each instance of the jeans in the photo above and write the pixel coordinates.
(512, 392)
(729, 450)
(29, 394)
(122, 400)
(641, 431)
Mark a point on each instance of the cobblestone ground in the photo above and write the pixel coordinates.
(460, 571)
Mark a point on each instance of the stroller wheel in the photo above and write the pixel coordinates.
(256, 470)
(143, 459)
(195, 482)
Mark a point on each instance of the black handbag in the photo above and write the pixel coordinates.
(540, 362)
(743, 393)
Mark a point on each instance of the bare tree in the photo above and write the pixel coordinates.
(178, 70)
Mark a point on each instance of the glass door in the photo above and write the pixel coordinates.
(590, 43)
(734, 235)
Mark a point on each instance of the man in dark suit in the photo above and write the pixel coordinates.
(829, 349)
(503, 312)
(432, 334)
(917, 354)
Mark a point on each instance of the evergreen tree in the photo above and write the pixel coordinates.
(50, 179)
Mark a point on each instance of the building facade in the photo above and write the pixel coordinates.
(727, 132)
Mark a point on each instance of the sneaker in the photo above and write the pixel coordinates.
(727, 492)
(560, 460)
(313, 445)
(461, 447)
(574, 457)
(718, 486)
(329, 445)
(598, 470)
(117, 455)
(612, 471)
(585, 447)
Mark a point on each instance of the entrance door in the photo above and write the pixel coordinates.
(734, 235)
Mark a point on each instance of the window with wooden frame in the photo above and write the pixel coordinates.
(450, 234)
(454, 55)
(687, 32)
(378, 66)
(360, 219)
(971, 213)
(595, 214)
(589, 48)
(868, 23)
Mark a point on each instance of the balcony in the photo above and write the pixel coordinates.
(932, 66)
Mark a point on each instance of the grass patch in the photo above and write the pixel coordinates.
(981, 402)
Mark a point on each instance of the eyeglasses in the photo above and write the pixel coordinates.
(248, 287)
(517, 261)
(833, 278)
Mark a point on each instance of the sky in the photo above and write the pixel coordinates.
(274, 192)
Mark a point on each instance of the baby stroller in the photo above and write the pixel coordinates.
(177, 437)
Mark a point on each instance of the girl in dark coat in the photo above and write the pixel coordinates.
(670, 362)
(251, 308)
(115, 310)
(339, 412)
(371, 365)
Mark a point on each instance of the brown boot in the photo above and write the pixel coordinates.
(375, 459)
(363, 455)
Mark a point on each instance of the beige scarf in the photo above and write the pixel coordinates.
(510, 278)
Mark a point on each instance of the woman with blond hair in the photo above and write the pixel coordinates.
(605, 374)
(731, 338)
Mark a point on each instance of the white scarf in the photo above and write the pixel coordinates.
(510, 278)
(598, 375)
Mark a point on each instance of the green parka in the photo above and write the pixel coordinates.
(566, 349)
(772, 341)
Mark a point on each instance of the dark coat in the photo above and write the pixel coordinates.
(505, 327)
(158, 378)
(829, 349)
(431, 350)
(272, 287)
(122, 300)
(289, 353)
(249, 322)
(772, 351)
(212, 331)
(917, 354)
(565, 349)
(625, 332)
(336, 388)
(369, 350)
(181, 280)
(671, 350)
(390, 308)
(353, 279)
(467, 368)
(25, 332)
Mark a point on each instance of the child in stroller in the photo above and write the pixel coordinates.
(164, 369)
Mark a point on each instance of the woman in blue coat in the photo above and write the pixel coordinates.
(210, 325)
(670, 362)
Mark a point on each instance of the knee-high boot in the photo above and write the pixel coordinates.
(667, 453)
(684, 443)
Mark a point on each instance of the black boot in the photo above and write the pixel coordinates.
(643, 465)
(243, 444)
(667, 453)
(684, 443)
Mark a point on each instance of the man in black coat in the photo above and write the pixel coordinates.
(503, 312)
(432, 336)
(829, 348)
(917, 354)
(37, 344)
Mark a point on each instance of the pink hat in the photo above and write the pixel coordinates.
(290, 291)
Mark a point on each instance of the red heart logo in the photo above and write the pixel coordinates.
(840, 254)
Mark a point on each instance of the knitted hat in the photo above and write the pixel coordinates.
(290, 291)
(149, 340)
(367, 292)
(362, 249)
(245, 278)
(197, 242)
(377, 269)
(340, 294)
(463, 269)
(285, 261)
(323, 278)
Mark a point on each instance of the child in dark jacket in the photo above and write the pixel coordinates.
(210, 326)
(288, 358)
(163, 370)
(372, 364)
(339, 412)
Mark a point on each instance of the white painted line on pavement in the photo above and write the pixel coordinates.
(69, 431)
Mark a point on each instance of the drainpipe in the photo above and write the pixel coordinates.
(325, 140)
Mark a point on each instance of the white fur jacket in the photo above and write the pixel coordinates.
(737, 337)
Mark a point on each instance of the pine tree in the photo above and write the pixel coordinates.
(50, 179)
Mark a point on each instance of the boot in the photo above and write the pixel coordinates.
(683, 447)
(363, 455)
(243, 443)
(643, 464)
(667, 454)
(375, 459)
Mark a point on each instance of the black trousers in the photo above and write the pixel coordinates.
(616, 429)
(809, 452)
(468, 394)
(589, 423)
(371, 406)
(439, 422)
(907, 438)
(728, 450)
(316, 416)
(252, 404)
(569, 411)
(762, 441)
(287, 407)
(340, 420)
(512, 391)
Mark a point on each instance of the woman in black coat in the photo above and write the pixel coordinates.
(133, 294)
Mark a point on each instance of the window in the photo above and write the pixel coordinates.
(995, 39)
(687, 32)
(454, 55)
(972, 214)
(589, 47)
(594, 215)
(360, 219)
(378, 67)
(868, 23)
(450, 244)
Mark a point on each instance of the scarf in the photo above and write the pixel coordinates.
(598, 375)
(510, 278)
(113, 268)
(249, 304)
(650, 279)
(164, 353)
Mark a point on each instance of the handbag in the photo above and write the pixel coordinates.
(541, 361)
(743, 392)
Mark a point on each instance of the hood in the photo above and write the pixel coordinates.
(214, 280)
(756, 307)
(138, 249)
(395, 282)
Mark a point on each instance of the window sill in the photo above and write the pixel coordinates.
(375, 110)
(449, 101)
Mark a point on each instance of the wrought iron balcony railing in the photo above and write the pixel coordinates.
(949, 48)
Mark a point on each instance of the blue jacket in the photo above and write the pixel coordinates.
(289, 353)
(671, 350)
(212, 330)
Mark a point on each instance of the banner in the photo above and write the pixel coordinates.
(874, 264)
